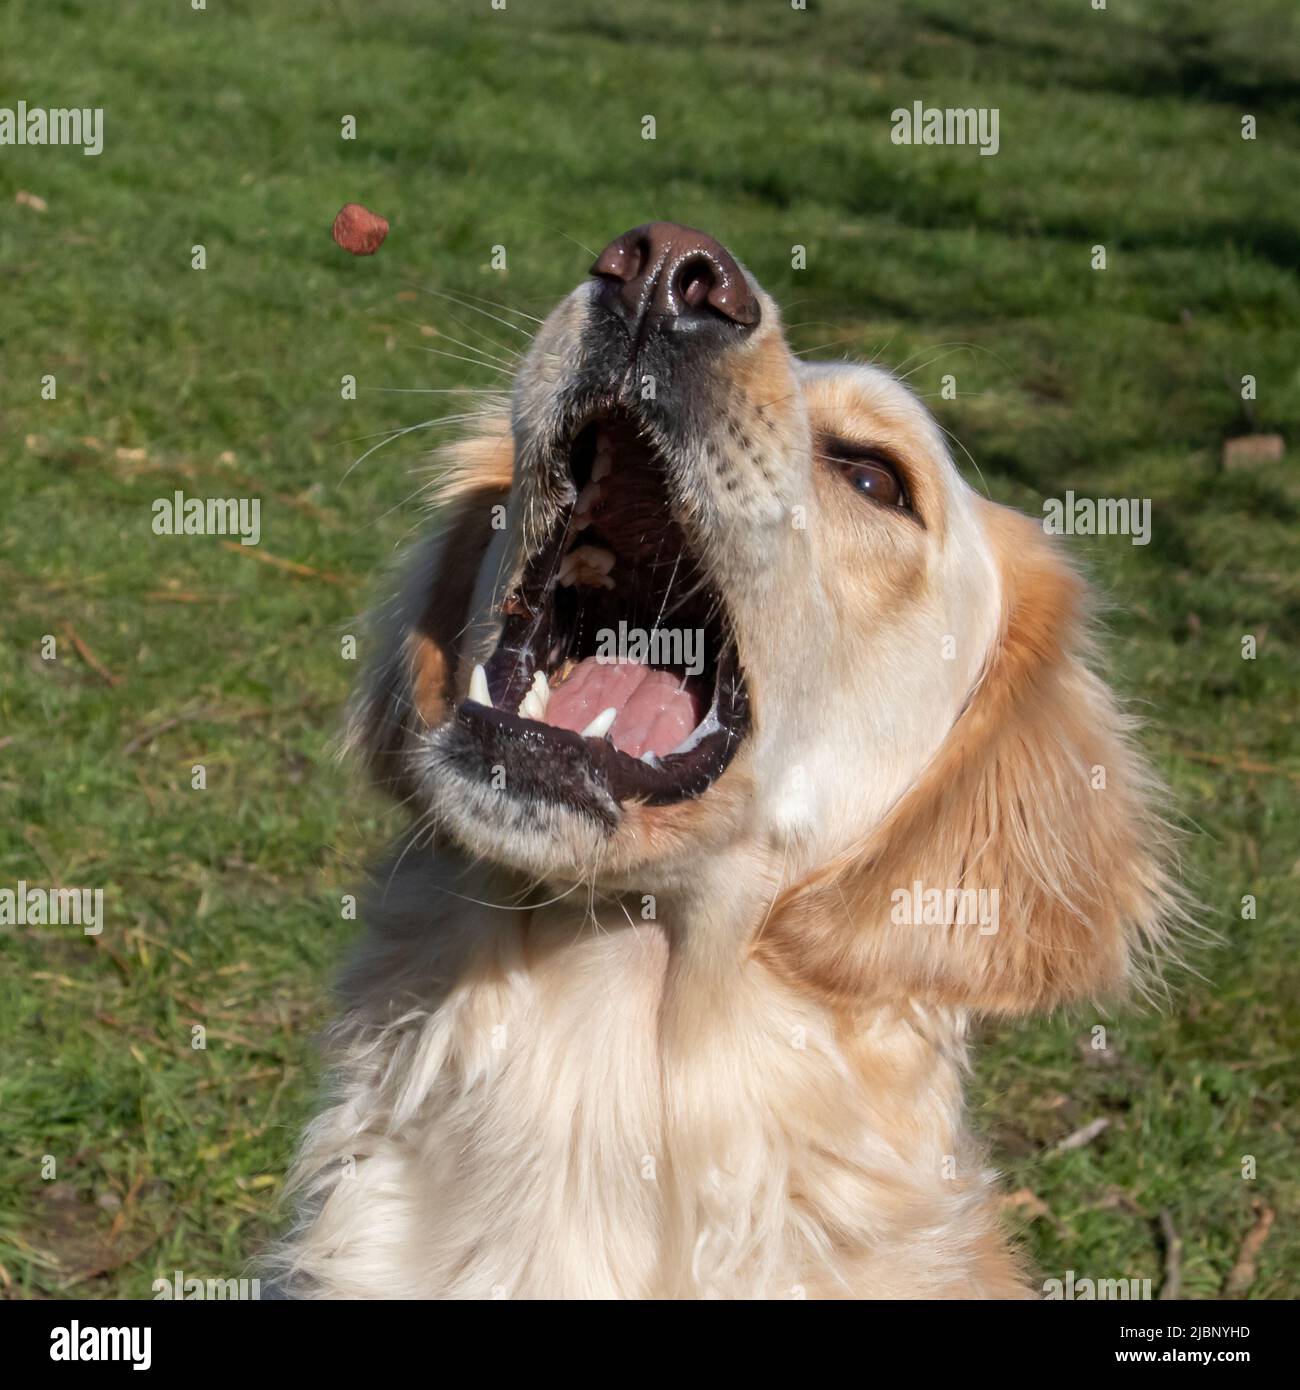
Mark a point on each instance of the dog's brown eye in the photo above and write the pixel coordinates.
(879, 481)
(868, 470)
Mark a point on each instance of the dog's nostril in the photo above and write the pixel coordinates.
(622, 259)
(695, 283)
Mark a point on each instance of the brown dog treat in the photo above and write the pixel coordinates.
(359, 230)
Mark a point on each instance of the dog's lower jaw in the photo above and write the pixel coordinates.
(632, 1109)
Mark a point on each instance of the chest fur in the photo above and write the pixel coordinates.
(573, 1112)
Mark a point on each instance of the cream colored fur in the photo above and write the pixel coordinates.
(695, 1057)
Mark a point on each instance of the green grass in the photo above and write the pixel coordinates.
(523, 128)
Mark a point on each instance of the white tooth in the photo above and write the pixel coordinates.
(541, 690)
(478, 687)
(706, 726)
(587, 564)
(529, 707)
(602, 723)
(649, 759)
(594, 556)
(589, 494)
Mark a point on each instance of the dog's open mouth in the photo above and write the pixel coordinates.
(616, 669)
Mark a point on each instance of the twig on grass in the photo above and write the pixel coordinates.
(89, 657)
(1240, 764)
(217, 716)
(1242, 1274)
(108, 1263)
(148, 735)
(288, 566)
(1173, 1284)
(1083, 1136)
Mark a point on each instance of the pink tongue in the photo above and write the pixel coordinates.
(654, 713)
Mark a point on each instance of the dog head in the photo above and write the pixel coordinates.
(689, 593)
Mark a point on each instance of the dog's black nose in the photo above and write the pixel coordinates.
(674, 277)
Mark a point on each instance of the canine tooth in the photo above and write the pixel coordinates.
(602, 723)
(540, 690)
(587, 564)
(705, 727)
(478, 687)
(582, 507)
(594, 556)
(530, 707)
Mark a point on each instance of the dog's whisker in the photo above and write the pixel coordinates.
(506, 907)
(474, 328)
(971, 457)
(558, 232)
(388, 439)
(435, 391)
(423, 424)
(422, 824)
(812, 323)
(473, 361)
(465, 304)
(510, 362)
(821, 347)
(941, 350)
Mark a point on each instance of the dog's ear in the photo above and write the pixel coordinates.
(1035, 822)
(410, 682)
